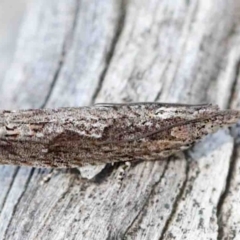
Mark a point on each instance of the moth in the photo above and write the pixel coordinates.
(105, 133)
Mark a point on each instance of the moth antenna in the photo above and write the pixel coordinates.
(157, 103)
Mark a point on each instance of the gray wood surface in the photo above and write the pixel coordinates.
(76, 52)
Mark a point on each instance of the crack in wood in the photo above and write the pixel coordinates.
(65, 47)
(18, 201)
(225, 193)
(62, 198)
(109, 56)
(178, 198)
(233, 161)
(234, 84)
(9, 189)
(146, 201)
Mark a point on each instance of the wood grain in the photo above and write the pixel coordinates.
(75, 53)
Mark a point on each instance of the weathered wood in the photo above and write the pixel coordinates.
(229, 217)
(72, 53)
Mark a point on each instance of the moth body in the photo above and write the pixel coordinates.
(72, 137)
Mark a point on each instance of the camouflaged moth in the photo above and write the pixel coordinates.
(105, 133)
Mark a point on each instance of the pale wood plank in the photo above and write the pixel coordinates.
(141, 51)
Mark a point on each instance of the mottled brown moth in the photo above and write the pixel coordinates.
(105, 133)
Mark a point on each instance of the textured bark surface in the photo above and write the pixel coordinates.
(77, 137)
(76, 52)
